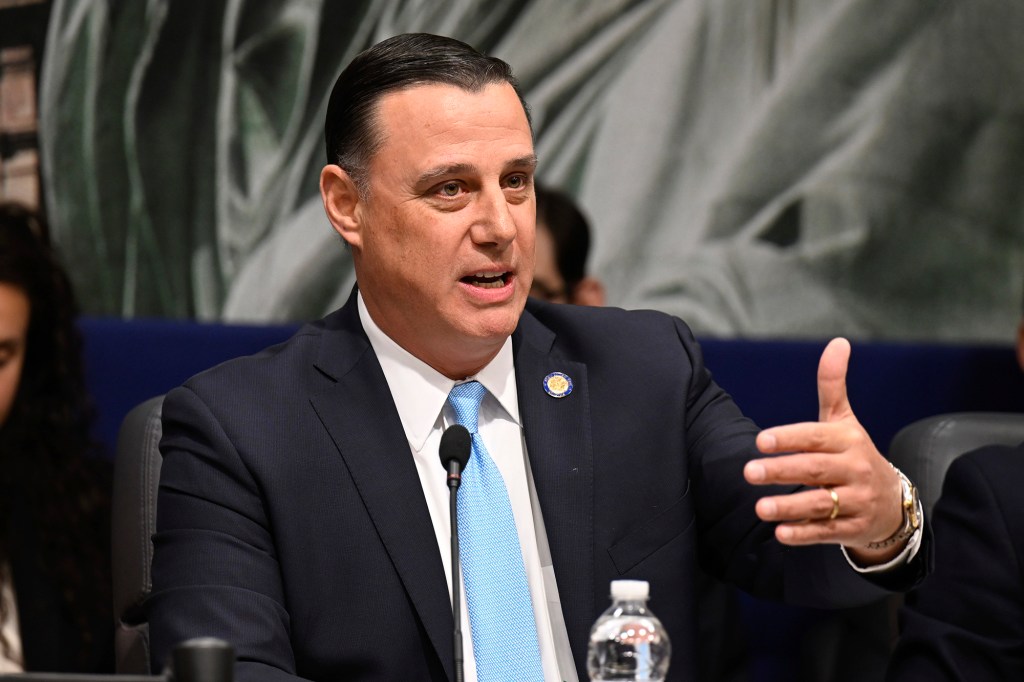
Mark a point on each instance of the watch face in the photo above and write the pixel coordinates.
(910, 501)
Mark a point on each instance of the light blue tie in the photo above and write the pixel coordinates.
(497, 594)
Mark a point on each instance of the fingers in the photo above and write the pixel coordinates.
(808, 505)
(803, 469)
(832, 398)
(826, 454)
(806, 517)
(866, 508)
(810, 437)
(839, 532)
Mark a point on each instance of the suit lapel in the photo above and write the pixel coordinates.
(356, 408)
(558, 442)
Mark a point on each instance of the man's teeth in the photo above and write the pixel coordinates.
(487, 280)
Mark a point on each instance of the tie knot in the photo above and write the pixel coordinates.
(465, 400)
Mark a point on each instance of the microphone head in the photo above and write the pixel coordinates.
(455, 445)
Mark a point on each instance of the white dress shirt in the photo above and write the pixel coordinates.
(421, 395)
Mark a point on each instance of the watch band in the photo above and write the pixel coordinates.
(912, 513)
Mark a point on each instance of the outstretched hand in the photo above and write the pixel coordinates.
(834, 454)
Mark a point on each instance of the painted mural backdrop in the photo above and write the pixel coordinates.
(779, 168)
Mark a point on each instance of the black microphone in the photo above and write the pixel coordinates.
(456, 444)
(454, 451)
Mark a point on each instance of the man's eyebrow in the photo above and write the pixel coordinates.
(433, 174)
(524, 161)
(8, 345)
(438, 172)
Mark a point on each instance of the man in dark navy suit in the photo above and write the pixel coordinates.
(303, 511)
(966, 622)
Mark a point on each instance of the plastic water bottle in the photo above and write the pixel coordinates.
(628, 642)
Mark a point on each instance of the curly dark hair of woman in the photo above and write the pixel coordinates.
(51, 479)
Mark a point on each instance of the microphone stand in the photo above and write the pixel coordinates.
(454, 478)
(454, 450)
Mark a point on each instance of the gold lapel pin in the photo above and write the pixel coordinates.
(558, 385)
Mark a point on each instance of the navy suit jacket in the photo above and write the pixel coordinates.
(966, 622)
(292, 523)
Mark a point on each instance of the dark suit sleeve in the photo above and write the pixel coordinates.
(215, 567)
(967, 621)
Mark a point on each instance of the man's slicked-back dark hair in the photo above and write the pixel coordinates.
(351, 134)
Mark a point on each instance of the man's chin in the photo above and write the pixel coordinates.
(488, 323)
(496, 332)
(495, 325)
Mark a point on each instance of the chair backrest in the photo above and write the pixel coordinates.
(136, 478)
(924, 449)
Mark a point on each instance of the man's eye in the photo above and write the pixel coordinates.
(450, 189)
(516, 181)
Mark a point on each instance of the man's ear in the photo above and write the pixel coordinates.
(342, 203)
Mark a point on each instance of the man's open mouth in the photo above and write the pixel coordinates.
(488, 280)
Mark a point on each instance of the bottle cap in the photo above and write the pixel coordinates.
(630, 589)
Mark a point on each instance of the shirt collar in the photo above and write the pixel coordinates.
(420, 392)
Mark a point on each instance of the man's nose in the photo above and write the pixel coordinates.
(494, 222)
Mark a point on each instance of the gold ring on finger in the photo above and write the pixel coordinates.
(835, 503)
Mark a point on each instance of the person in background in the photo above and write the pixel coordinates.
(563, 244)
(55, 609)
(966, 622)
